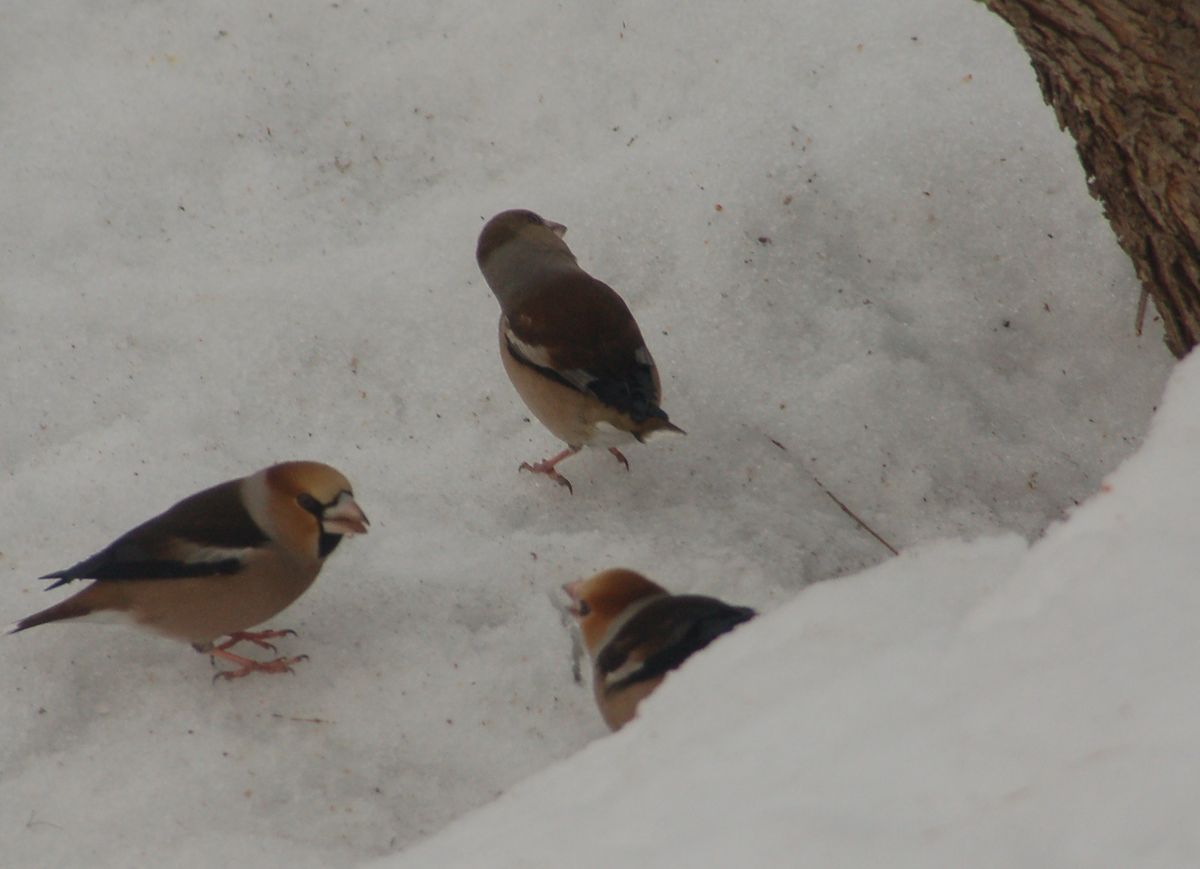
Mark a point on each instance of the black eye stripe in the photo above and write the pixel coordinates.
(310, 504)
(583, 607)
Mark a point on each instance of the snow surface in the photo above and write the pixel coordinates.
(241, 232)
(962, 705)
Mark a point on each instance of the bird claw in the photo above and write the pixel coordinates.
(547, 469)
(546, 466)
(259, 638)
(279, 665)
(246, 666)
(620, 457)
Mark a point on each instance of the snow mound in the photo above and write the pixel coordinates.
(978, 704)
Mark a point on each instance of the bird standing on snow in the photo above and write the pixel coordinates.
(568, 342)
(636, 632)
(218, 562)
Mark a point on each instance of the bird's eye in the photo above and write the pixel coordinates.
(310, 504)
(583, 608)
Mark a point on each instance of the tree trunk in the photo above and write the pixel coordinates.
(1123, 77)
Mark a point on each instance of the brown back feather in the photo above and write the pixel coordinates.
(583, 324)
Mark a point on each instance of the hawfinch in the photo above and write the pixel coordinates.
(568, 342)
(218, 562)
(636, 632)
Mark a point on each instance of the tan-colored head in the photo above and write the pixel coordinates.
(598, 601)
(307, 507)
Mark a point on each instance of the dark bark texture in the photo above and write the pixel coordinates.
(1123, 77)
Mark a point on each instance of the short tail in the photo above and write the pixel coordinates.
(67, 609)
(656, 425)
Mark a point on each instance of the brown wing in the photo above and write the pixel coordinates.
(586, 337)
(204, 534)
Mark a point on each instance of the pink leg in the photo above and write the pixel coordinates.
(246, 666)
(546, 466)
(620, 457)
(259, 638)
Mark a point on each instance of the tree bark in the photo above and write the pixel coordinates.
(1123, 77)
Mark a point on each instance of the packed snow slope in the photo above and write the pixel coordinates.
(236, 233)
(978, 704)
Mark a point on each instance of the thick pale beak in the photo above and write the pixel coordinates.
(343, 516)
(573, 590)
(556, 228)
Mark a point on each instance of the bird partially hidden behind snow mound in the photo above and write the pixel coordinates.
(636, 632)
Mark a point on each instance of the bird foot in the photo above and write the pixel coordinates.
(246, 666)
(554, 475)
(259, 638)
(546, 466)
(620, 457)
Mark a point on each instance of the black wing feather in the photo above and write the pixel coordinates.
(214, 518)
(683, 624)
(632, 392)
